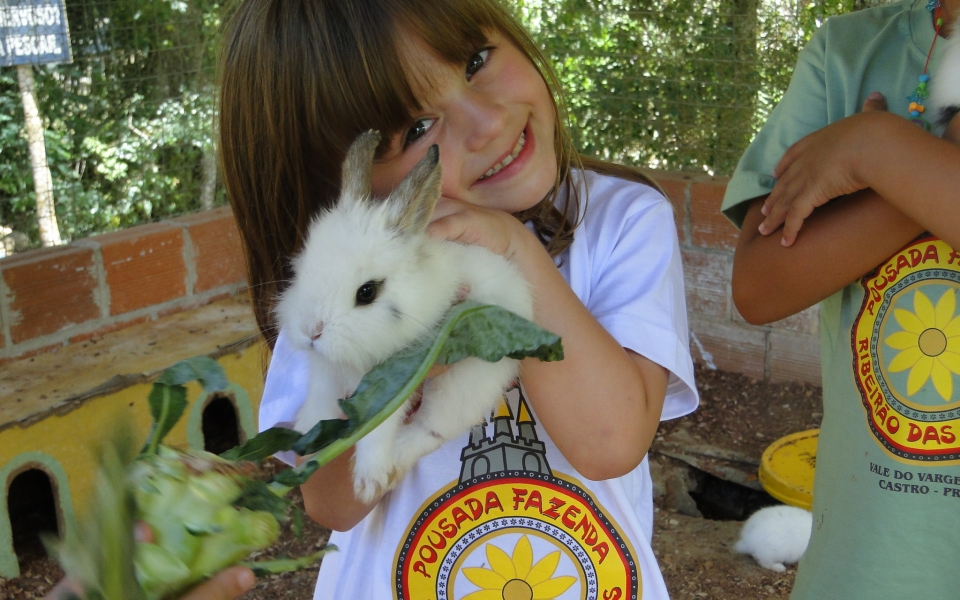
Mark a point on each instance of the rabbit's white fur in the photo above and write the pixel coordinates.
(776, 536)
(945, 86)
(419, 278)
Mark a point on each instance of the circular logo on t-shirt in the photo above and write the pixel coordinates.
(906, 347)
(511, 530)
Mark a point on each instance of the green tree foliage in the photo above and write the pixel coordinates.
(127, 122)
(672, 84)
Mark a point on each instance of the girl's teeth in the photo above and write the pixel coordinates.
(509, 159)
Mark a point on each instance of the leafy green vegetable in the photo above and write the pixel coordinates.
(470, 329)
(208, 512)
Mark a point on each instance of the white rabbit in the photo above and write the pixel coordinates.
(945, 87)
(776, 536)
(369, 282)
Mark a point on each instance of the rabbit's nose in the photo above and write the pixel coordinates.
(317, 332)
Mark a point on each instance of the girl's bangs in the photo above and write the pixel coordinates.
(377, 92)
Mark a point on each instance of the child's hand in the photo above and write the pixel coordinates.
(495, 230)
(818, 168)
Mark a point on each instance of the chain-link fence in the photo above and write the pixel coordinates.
(671, 84)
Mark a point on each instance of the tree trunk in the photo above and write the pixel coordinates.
(208, 184)
(46, 214)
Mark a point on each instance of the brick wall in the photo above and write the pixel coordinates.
(57, 296)
(788, 350)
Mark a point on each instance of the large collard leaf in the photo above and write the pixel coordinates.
(168, 397)
(470, 329)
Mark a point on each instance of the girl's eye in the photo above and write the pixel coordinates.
(419, 129)
(476, 62)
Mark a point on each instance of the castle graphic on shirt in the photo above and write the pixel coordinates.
(906, 353)
(512, 529)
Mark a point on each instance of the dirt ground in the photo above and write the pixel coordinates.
(738, 418)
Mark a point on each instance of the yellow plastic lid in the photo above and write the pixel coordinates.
(787, 467)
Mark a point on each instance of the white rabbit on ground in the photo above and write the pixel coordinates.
(368, 283)
(945, 86)
(776, 536)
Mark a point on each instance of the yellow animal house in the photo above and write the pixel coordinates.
(55, 408)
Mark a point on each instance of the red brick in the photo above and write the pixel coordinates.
(49, 289)
(739, 349)
(706, 276)
(675, 188)
(795, 357)
(3, 337)
(217, 253)
(709, 228)
(144, 266)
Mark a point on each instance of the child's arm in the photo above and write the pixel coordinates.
(843, 240)
(601, 405)
(913, 170)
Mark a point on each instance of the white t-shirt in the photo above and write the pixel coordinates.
(498, 512)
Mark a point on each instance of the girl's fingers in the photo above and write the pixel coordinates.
(799, 211)
(225, 585)
(142, 532)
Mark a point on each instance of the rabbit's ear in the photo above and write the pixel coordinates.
(417, 195)
(355, 179)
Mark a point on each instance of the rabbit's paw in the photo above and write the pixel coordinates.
(372, 470)
(773, 566)
(369, 489)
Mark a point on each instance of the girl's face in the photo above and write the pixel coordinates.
(493, 119)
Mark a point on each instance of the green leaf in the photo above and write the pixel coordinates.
(257, 495)
(284, 565)
(168, 397)
(167, 403)
(470, 329)
(264, 444)
(286, 480)
(491, 332)
(199, 368)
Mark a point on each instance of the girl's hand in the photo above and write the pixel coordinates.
(820, 167)
(495, 230)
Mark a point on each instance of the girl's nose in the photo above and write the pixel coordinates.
(485, 118)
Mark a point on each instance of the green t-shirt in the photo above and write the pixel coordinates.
(887, 489)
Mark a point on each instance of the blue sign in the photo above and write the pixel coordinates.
(33, 32)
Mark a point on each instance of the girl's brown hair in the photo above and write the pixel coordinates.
(300, 79)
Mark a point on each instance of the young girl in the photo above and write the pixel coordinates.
(553, 498)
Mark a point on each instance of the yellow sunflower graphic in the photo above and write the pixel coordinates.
(929, 343)
(516, 577)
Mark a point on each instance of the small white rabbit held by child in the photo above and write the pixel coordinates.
(945, 87)
(776, 536)
(369, 282)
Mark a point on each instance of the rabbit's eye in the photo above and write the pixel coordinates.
(368, 292)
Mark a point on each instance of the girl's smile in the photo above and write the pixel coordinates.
(493, 119)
